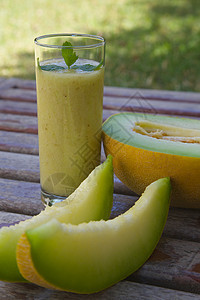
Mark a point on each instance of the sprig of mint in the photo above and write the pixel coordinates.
(49, 67)
(69, 55)
(70, 58)
(88, 67)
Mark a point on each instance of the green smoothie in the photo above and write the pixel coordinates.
(69, 125)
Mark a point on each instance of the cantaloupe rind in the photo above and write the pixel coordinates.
(90, 257)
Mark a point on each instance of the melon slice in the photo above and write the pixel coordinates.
(92, 256)
(146, 147)
(92, 200)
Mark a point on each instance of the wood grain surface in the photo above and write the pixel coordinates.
(173, 270)
(122, 290)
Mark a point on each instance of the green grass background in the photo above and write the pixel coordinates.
(150, 44)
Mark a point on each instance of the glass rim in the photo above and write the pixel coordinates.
(95, 45)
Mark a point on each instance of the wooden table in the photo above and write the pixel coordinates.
(173, 271)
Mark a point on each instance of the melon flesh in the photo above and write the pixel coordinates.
(92, 200)
(167, 132)
(92, 256)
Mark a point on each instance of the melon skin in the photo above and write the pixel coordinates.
(92, 200)
(137, 168)
(90, 257)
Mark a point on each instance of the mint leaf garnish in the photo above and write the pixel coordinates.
(51, 68)
(70, 58)
(88, 67)
(69, 55)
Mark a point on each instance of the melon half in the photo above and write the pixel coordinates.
(146, 147)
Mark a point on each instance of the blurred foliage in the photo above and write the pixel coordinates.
(150, 44)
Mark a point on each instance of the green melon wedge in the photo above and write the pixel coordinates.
(92, 200)
(90, 257)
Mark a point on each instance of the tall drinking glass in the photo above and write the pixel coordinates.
(69, 80)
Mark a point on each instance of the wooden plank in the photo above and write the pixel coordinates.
(2, 81)
(109, 112)
(121, 188)
(174, 264)
(5, 83)
(20, 197)
(24, 198)
(152, 106)
(23, 95)
(183, 224)
(18, 108)
(192, 97)
(23, 84)
(19, 166)
(8, 218)
(122, 290)
(18, 123)
(17, 83)
(18, 142)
